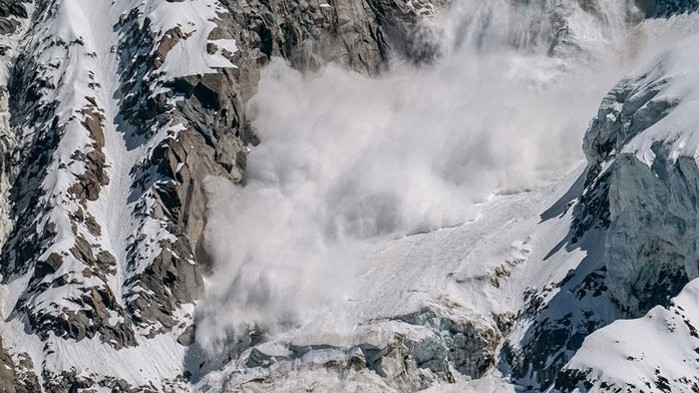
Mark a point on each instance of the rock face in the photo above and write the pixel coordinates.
(361, 34)
(650, 188)
(408, 353)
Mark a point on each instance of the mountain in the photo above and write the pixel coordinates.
(358, 195)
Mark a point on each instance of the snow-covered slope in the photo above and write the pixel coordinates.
(655, 353)
(427, 309)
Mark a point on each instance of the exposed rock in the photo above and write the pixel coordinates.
(665, 8)
(470, 343)
(9, 9)
(77, 278)
(8, 379)
(438, 344)
(26, 378)
(659, 255)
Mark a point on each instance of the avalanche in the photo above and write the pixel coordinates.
(427, 207)
(354, 195)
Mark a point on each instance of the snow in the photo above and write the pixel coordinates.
(662, 343)
(490, 383)
(678, 76)
(196, 19)
(453, 265)
(153, 361)
(374, 178)
(459, 262)
(656, 352)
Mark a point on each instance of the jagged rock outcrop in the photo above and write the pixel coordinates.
(361, 34)
(407, 353)
(651, 182)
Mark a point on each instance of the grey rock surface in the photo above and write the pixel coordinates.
(408, 353)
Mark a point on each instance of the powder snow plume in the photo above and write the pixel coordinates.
(347, 161)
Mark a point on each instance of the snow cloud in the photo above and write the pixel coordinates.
(346, 161)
